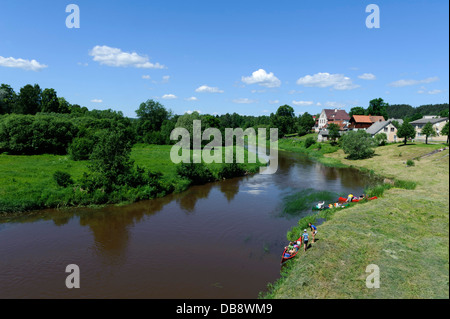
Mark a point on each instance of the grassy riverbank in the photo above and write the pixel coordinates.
(405, 233)
(27, 183)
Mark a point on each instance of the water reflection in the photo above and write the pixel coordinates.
(237, 220)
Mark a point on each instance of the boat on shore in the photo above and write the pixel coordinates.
(285, 258)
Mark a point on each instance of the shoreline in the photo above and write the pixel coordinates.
(405, 192)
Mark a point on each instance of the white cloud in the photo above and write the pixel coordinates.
(190, 112)
(261, 77)
(208, 89)
(192, 98)
(423, 90)
(334, 104)
(146, 77)
(244, 101)
(169, 96)
(367, 76)
(322, 80)
(117, 58)
(274, 101)
(302, 103)
(97, 101)
(409, 82)
(165, 78)
(29, 65)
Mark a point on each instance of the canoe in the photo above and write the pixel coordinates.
(284, 259)
(342, 199)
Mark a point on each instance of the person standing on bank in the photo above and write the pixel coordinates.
(314, 231)
(305, 239)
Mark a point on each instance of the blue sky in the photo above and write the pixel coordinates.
(230, 56)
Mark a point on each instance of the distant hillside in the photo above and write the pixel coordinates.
(402, 111)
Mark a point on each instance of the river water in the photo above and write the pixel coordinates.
(220, 240)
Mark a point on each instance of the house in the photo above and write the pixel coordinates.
(328, 116)
(385, 127)
(324, 135)
(363, 122)
(437, 122)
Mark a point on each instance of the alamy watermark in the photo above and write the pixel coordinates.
(213, 151)
(373, 19)
(373, 280)
(73, 280)
(73, 19)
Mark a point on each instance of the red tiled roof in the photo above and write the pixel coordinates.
(362, 119)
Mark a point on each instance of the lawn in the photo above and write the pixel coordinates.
(28, 180)
(405, 233)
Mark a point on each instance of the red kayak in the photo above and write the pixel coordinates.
(284, 258)
(342, 199)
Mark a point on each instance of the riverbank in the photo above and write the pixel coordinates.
(405, 233)
(27, 183)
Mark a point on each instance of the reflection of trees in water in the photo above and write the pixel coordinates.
(189, 198)
(110, 225)
(230, 188)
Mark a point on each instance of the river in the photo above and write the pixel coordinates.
(220, 240)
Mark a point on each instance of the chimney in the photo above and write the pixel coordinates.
(335, 110)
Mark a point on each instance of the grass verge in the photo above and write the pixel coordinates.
(405, 233)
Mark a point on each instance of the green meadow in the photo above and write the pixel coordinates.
(405, 233)
(27, 183)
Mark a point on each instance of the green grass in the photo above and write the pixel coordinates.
(26, 182)
(405, 232)
(316, 151)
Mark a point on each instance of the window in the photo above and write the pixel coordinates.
(392, 129)
(385, 129)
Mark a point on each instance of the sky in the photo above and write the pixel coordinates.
(220, 57)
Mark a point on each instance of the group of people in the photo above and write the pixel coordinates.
(293, 247)
(351, 197)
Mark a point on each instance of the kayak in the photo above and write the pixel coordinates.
(342, 199)
(284, 259)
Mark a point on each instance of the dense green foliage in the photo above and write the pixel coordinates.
(358, 144)
(406, 131)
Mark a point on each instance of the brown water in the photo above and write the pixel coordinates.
(221, 240)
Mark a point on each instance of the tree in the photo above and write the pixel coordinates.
(357, 110)
(378, 107)
(29, 100)
(333, 132)
(406, 131)
(306, 123)
(50, 102)
(381, 139)
(428, 131)
(358, 144)
(445, 130)
(284, 120)
(7, 99)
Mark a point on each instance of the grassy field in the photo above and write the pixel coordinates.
(405, 233)
(26, 182)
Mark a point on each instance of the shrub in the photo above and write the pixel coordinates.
(81, 149)
(410, 163)
(358, 145)
(63, 179)
(197, 173)
(309, 141)
(231, 170)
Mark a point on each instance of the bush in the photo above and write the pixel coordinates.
(358, 145)
(81, 149)
(410, 163)
(63, 179)
(197, 173)
(309, 141)
(231, 170)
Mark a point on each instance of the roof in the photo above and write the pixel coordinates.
(376, 118)
(426, 120)
(362, 118)
(336, 114)
(377, 126)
